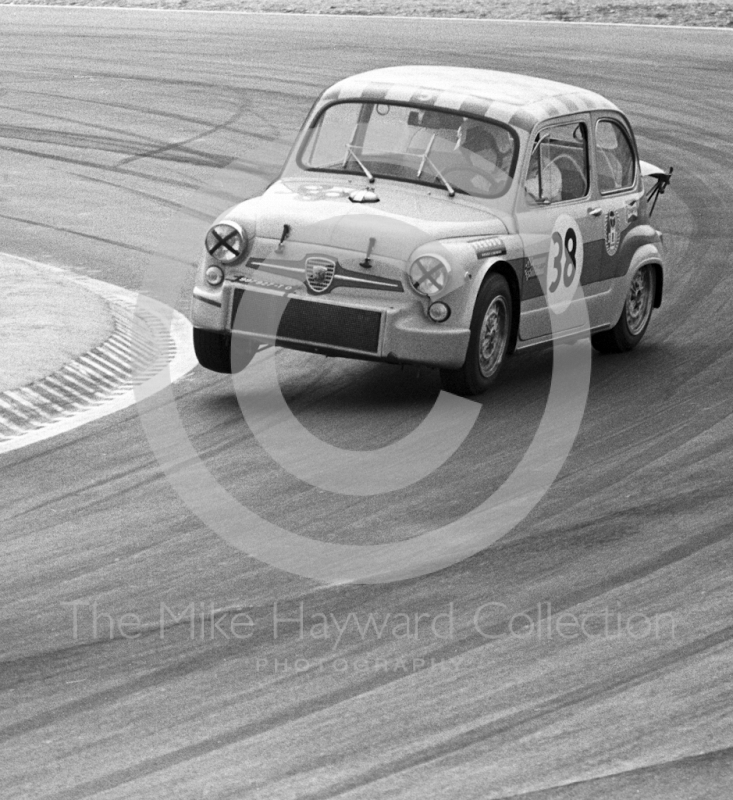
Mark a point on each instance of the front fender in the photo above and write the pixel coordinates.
(465, 297)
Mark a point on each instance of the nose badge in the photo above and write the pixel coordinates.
(319, 273)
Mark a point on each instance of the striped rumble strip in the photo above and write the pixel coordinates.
(138, 349)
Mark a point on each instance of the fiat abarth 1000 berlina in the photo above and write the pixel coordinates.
(439, 216)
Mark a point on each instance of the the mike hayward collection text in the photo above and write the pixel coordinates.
(296, 621)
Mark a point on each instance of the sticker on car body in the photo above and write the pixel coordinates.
(533, 269)
(564, 263)
(612, 231)
(321, 192)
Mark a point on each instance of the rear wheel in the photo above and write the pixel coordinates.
(488, 345)
(214, 351)
(634, 320)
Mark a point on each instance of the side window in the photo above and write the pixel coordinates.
(558, 168)
(614, 157)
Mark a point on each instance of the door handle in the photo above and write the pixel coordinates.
(594, 212)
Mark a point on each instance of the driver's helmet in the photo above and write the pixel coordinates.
(478, 139)
(490, 142)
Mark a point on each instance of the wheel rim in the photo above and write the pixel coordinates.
(639, 301)
(493, 337)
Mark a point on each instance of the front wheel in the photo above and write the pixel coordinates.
(214, 351)
(488, 346)
(634, 320)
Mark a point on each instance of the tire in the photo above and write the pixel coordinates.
(488, 346)
(634, 320)
(214, 351)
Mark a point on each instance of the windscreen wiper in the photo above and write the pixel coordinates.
(425, 159)
(350, 148)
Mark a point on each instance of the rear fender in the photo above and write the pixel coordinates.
(646, 255)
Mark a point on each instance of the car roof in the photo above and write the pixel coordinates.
(519, 100)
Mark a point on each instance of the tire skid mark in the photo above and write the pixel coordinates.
(154, 198)
(80, 162)
(60, 118)
(214, 161)
(237, 96)
(452, 650)
(109, 480)
(109, 144)
(60, 138)
(102, 239)
(522, 722)
(158, 152)
(724, 754)
(677, 443)
(528, 721)
(156, 112)
(275, 90)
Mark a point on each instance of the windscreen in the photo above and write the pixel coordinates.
(436, 148)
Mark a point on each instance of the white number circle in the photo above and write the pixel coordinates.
(564, 263)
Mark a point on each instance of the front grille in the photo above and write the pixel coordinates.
(291, 319)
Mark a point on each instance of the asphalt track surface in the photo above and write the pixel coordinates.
(110, 123)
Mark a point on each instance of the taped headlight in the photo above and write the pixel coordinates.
(226, 242)
(428, 275)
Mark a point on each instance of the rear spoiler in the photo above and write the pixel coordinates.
(662, 179)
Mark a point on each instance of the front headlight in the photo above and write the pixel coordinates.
(226, 242)
(429, 274)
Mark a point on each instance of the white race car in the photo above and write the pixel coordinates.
(440, 216)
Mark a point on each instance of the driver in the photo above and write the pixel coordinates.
(478, 146)
(479, 141)
(543, 186)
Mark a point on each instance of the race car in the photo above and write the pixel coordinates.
(440, 216)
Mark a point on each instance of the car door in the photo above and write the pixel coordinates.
(560, 227)
(620, 198)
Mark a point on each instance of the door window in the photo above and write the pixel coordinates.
(615, 158)
(558, 168)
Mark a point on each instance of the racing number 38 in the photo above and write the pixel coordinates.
(565, 272)
(564, 263)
